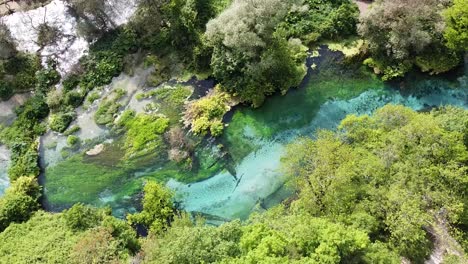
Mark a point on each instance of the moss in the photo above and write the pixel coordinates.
(350, 47)
(73, 181)
(72, 130)
(106, 112)
(93, 96)
(73, 140)
(144, 134)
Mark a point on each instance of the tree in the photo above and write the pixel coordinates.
(389, 174)
(47, 35)
(158, 208)
(81, 217)
(92, 15)
(399, 31)
(250, 58)
(7, 45)
(19, 201)
(456, 32)
(96, 246)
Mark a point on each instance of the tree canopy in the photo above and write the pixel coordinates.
(391, 174)
(402, 33)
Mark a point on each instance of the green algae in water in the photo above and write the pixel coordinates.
(251, 139)
(295, 109)
(74, 180)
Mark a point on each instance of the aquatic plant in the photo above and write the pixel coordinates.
(205, 115)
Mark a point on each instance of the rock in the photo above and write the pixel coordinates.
(96, 150)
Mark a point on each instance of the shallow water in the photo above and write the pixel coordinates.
(241, 169)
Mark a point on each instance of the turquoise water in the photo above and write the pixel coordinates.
(239, 172)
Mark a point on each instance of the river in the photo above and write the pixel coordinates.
(239, 172)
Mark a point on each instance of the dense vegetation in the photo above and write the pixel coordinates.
(399, 177)
(414, 35)
(380, 188)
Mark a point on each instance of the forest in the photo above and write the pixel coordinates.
(234, 131)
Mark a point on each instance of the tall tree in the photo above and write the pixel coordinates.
(402, 32)
(250, 57)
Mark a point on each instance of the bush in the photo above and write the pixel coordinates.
(206, 114)
(81, 217)
(73, 140)
(19, 201)
(46, 78)
(55, 99)
(59, 122)
(71, 82)
(6, 91)
(158, 210)
(73, 98)
(100, 68)
(24, 159)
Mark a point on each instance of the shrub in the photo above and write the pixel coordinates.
(205, 115)
(73, 140)
(158, 210)
(60, 121)
(6, 91)
(19, 201)
(81, 217)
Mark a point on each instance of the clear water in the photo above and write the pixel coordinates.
(248, 177)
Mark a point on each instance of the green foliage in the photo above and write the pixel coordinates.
(19, 202)
(158, 208)
(402, 33)
(21, 137)
(206, 114)
(45, 238)
(176, 26)
(319, 20)
(144, 133)
(48, 238)
(60, 121)
(95, 246)
(247, 62)
(73, 140)
(106, 112)
(81, 217)
(71, 82)
(100, 68)
(393, 172)
(388, 70)
(122, 231)
(456, 18)
(109, 108)
(275, 237)
(46, 78)
(186, 243)
(439, 60)
(18, 74)
(24, 160)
